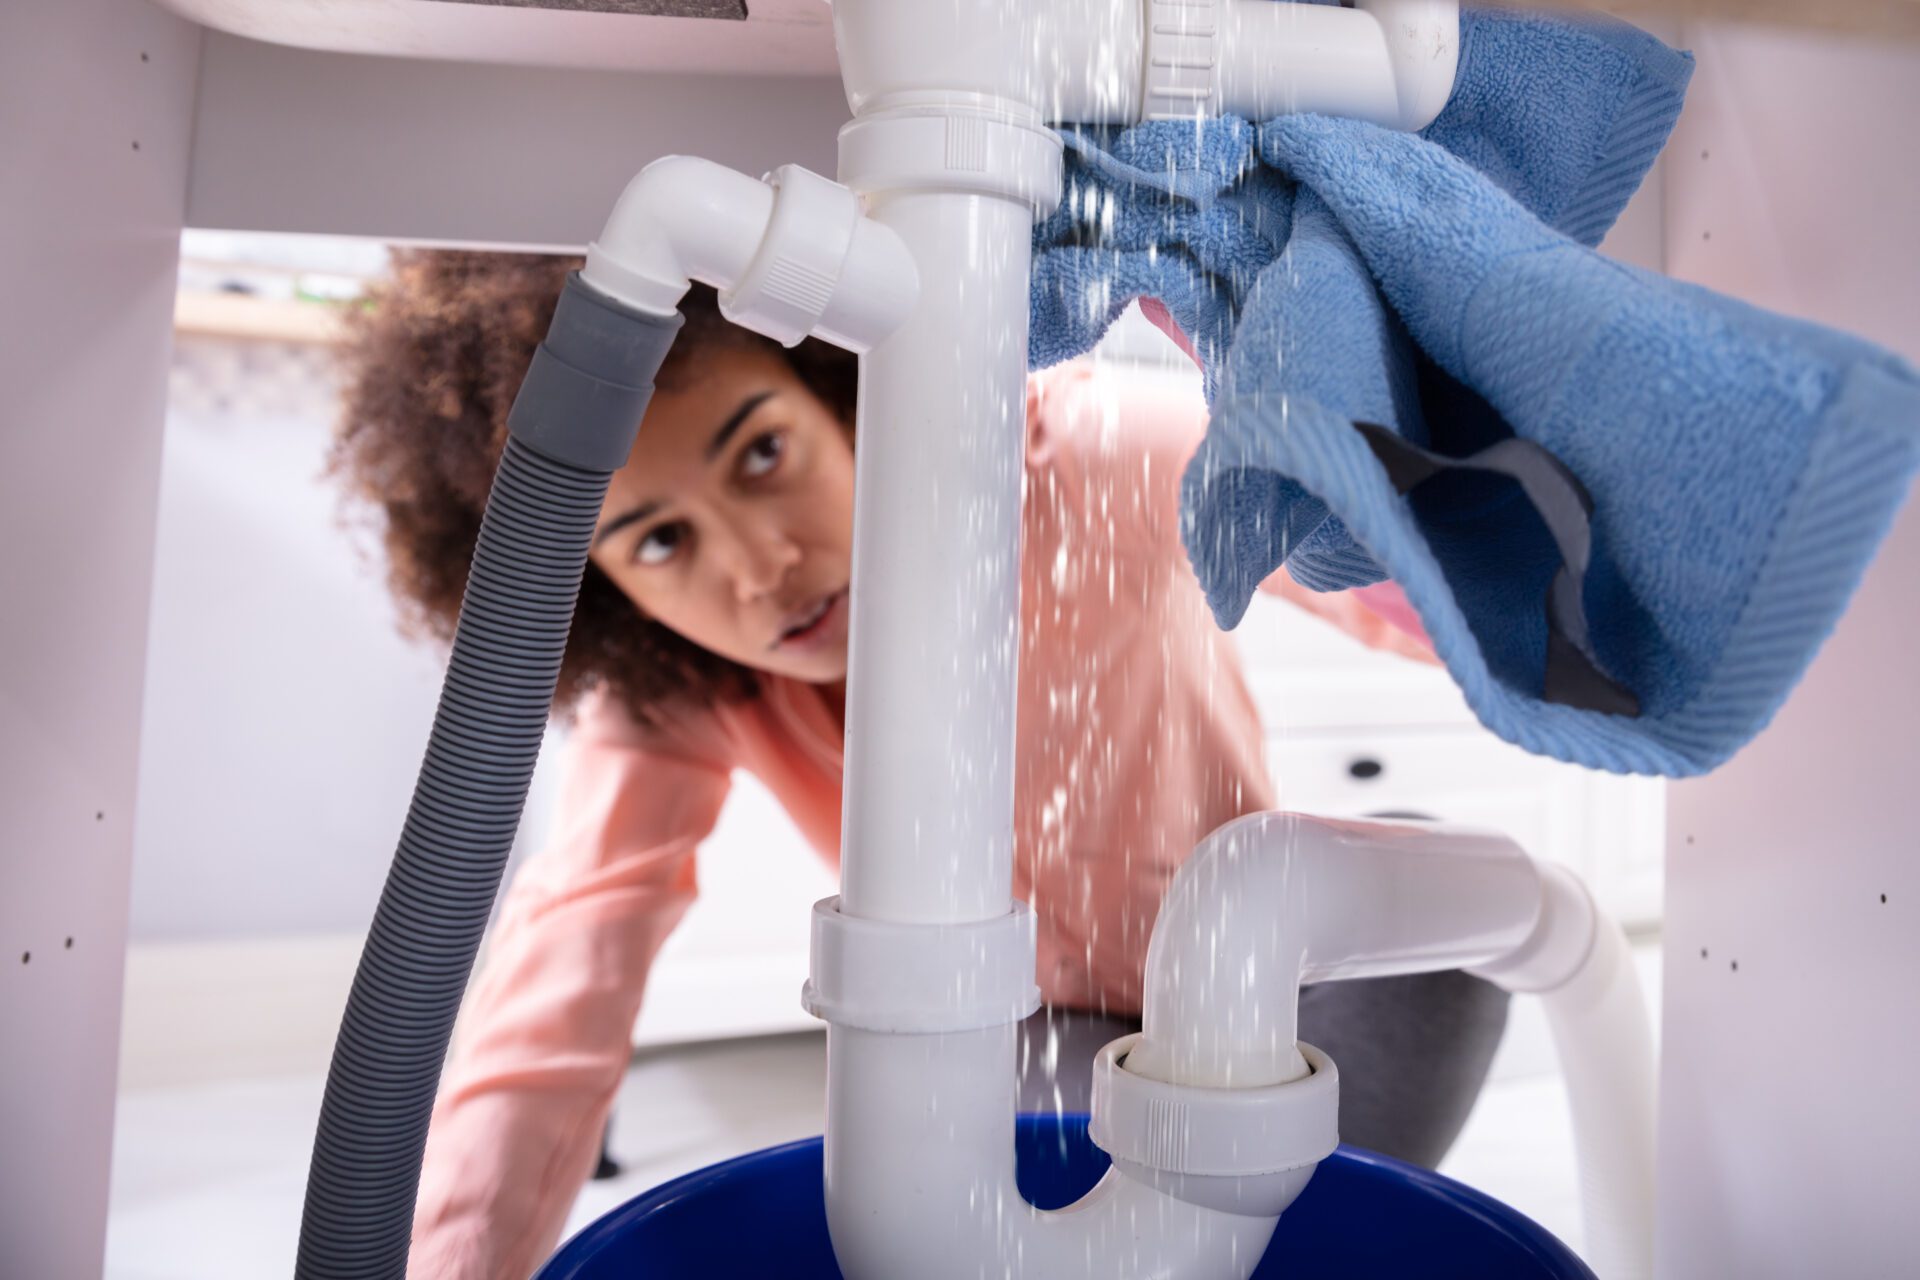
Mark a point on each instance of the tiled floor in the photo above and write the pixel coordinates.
(207, 1181)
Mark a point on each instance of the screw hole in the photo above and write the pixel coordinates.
(69, 944)
(1689, 839)
(1703, 953)
(1883, 899)
(1706, 235)
(1366, 770)
(99, 815)
(1703, 153)
(1734, 965)
(143, 58)
(26, 957)
(136, 145)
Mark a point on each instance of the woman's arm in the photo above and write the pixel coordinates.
(547, 1031)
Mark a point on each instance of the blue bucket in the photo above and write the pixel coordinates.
(1363, 1217)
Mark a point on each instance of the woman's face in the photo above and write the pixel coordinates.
(732, 522)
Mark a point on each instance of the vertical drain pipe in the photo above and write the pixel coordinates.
(924, 963)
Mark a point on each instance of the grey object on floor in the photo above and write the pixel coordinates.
(1413, 1053)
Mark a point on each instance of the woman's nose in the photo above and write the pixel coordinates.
(763, 559)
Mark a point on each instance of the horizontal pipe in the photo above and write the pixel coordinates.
(1122, 61)
(1274, 899)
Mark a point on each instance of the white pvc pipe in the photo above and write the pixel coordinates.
(680, 219)
(1388, 61)
(1067, 59)
(920, 1179)
(1264, 903)
(1121, 61)
(1580, 964)
(1273, 899)
(1423, 48)
(919, 1150)
(1605, 1041)
(927, 825)
(1282, 58)
(790, 253)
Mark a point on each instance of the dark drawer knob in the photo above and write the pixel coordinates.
(1366, 769)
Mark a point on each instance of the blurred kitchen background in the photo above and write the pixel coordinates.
(284, 719)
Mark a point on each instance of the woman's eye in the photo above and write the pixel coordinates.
(763, 454)
(658, 545)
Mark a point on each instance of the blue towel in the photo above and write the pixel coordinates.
(1739, 468)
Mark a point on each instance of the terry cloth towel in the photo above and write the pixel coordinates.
(1668, 496)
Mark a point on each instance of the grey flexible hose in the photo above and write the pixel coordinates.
(571, 426)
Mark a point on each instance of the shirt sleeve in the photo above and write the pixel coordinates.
(547, 1031)
(1122, 440)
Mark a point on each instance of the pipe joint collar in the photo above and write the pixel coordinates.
(879, 975)
(1244, 1151)
(1562, 940)
(813, 270)
(928, 150)
(1182, 62)
(791, 254)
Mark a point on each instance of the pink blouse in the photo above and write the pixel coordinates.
(1136, 738)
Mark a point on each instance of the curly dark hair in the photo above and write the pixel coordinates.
(431, 365)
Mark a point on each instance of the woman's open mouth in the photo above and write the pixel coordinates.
(816, 625)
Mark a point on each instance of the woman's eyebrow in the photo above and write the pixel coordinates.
(714, 446)
(732, 424)
(625, 518)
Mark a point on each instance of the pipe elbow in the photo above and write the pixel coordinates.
(1274, 899)
(1222, 982)
(680, 219)
(792, 254)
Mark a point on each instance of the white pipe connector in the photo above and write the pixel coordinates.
(1214, 1114)
(791, 254)
(1273, 900)
(1124, 61)
(1216, 1102)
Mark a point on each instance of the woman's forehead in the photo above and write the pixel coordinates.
(697, 405)
(686, 422)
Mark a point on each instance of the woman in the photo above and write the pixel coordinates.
(712, 636)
